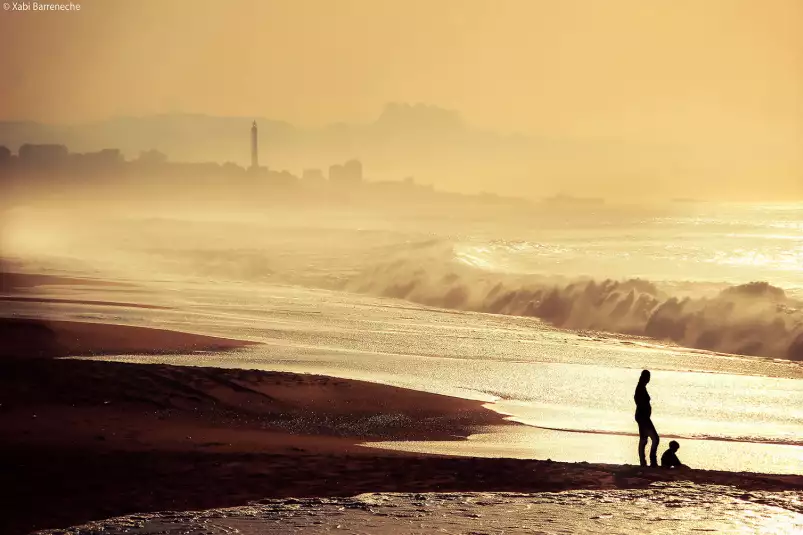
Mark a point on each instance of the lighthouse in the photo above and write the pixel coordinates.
(254, 147)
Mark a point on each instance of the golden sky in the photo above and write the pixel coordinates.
(722, 75)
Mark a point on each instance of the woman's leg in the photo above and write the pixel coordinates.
(654, 440)
(643, 433)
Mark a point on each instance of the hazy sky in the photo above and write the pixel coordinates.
(722, 75)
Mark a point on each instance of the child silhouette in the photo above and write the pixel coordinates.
(670, 459)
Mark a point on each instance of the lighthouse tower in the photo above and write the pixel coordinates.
(254, 148)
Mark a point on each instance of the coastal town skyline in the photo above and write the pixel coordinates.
(681, 99)
(433, 145)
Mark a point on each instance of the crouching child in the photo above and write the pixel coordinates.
(670, 459)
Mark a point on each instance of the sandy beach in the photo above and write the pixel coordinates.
(86, 439)
(185, 437)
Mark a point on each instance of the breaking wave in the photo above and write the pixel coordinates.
(756, 318)
(749, 319)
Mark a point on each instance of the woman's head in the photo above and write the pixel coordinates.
(645, 377)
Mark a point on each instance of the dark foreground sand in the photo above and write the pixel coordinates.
(85, 440)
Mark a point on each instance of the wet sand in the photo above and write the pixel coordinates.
(86, 440)
(661, 509)
(24, 339)
(25, 299)
(12, 281)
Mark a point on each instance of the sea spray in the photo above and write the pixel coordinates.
(751, 319)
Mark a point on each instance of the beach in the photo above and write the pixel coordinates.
(139, 379)
(401, 268)
(86, 439)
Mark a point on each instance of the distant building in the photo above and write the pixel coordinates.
(231, 168)
(348, 174)
(353, 169)
(336, 173)
(282, 179)
(312, 176)
(105, 158)
(254, 147)
(152, 157)
(43, 155)
(569, 200)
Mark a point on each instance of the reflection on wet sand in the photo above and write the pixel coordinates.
(660, 509)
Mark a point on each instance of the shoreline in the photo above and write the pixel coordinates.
(28, 338)
(77, 432)
(94, 439)
(663, 436)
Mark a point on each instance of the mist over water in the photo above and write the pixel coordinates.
(551, 313)
(725, 278)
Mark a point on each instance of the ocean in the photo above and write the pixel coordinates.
(547, 313)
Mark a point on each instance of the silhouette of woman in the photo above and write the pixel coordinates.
(646, 429)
